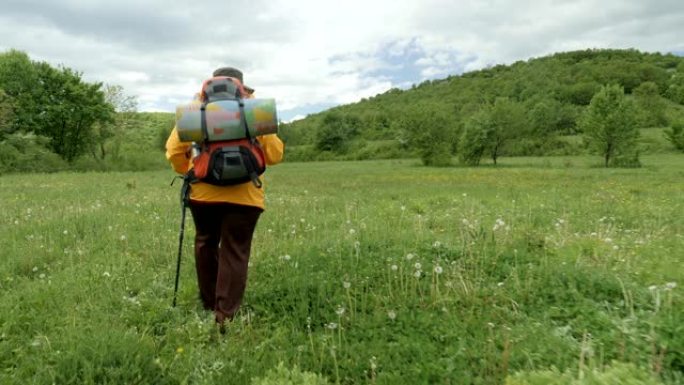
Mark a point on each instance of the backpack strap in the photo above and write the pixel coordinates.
(243, 121)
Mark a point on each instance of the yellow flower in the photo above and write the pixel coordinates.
(179, 350)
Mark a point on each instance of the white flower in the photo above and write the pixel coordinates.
(332, 326)
(670, 285)
(490, 324)
(65, 232)
(286, 257)
(500, 284)
(437, 244)
(106, 274)
(417, 265)
(417, 274)
(616, 247)
(339, 311)
(608, 240)
(35, 268)
(465, 222)
(438, 269)
(394, 267)
(352, 231)
(653, 288)
(464, 194)
(409, 256)
(123, 238)
(346, 284)
(403, 208)
(392, 314)
(41, 276)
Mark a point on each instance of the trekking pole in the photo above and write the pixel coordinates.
(185, 190)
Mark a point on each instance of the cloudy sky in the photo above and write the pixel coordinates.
(311, 55)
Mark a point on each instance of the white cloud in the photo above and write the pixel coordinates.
(313, 53)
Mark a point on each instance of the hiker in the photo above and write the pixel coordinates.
(225, 218)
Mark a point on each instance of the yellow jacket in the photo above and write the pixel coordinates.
(178, 153)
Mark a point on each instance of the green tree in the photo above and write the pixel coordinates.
(473, 142)
(609, 123)
(507, 121)
(19, 80)
(336, 131)
(675, 135)
(432, 132)
(71, 110)
(6, 113)
(650, 105)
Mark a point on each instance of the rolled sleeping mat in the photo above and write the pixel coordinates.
(223, 120)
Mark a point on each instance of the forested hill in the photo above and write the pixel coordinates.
(547, 95)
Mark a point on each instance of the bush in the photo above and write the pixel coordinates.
(675, 135)
(27, 152)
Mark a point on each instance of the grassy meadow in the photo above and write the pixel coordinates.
(540, 270)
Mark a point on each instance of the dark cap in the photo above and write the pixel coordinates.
(233, 73)
(229, 71)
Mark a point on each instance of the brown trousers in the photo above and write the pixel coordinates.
(223, 241)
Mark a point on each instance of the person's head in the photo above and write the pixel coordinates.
(233, 73)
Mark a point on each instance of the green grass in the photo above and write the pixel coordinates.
(538, 266)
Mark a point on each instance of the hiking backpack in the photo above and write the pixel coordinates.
(226, 162)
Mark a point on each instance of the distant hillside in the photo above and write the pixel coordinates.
(553, 91)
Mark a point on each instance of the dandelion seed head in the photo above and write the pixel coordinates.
(394, 267)
(670, 285)
(417, 274)
(106, 274)
(653, 288)
(346, 284)
(438, 269)
(417, 266)
(123, 238)
(332, 326)
(392, 315)
(409, 256)
(340, 311)
(65, 232)
(41, 276)
(437, 244)
(352, 231)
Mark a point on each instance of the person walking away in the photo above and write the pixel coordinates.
(225, 218)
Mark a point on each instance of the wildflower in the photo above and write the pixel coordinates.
(392, 314)
(352, 231)
(417, 274)
(339, 311)
(373, 364)
(490, 324)
(123, 238)
(464, 195)
(417, 266)
(670, 285)
(16, 221)
(332, 326)
(35, 268)
(302, 220)
(41, 276)
(437, 244)
(346, 284)
(500, 284)
(110, 228)
(608, 240)
(653, 288)
(465, 222)
(616, 247)
(409, 256)
(65, 232)
(286, 257)
(179, 350)
(438, 269)
(106, 274)
(403, 208)
(394, 267)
